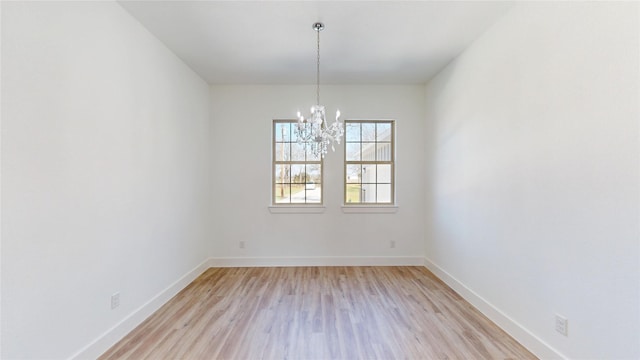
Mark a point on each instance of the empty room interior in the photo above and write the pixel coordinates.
(177, 181)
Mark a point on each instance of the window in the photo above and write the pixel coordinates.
(369, 162)
(297, 173)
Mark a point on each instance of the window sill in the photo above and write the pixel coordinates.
(369, 209)
(296, 209)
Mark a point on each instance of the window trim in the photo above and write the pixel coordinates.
(291, 207)
(296, 209)
(372, 207)
(369, 209)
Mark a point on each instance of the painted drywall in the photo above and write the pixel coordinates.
(241, 131)
(533, 173)
(105, 173)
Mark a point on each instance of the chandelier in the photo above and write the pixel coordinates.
(314, 132)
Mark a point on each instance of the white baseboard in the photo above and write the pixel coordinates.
(517, 331)
(318, 261)
(103, 342)
(117, 332)
(510, 326)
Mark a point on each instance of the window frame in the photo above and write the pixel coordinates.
(275, 163)
(391, 162)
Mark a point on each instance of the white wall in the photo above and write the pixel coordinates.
(242, 118)
(105, 180)
(534, 173)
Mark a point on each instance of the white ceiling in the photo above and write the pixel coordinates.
(272, 42)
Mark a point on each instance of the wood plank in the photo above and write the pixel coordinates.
(317, 313)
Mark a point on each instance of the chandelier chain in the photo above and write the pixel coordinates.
(318, 70)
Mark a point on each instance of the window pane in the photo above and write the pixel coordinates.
(314, 174)
(298, 175)
(282, 174)
(294, 132)
(368, 132)
(383, 132)
(368, 194)
(353, 193)
(281, 193)
(368, 174)
(384, 193)
(384, 174)
(368, 152)
(353, 151)
(383, 152)
(353, 174)
(352, 132)
(282, 132)
(297, 152)
(311, 156)
(282, 152)
(298, 193)
(314, 192)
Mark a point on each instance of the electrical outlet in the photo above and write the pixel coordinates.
(115, 300)
(392, 244)
(562, 325)
(241, 244)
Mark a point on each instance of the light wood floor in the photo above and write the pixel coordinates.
(317, 313)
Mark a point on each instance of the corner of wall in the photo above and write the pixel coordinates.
(110, 337)
(527, 339)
